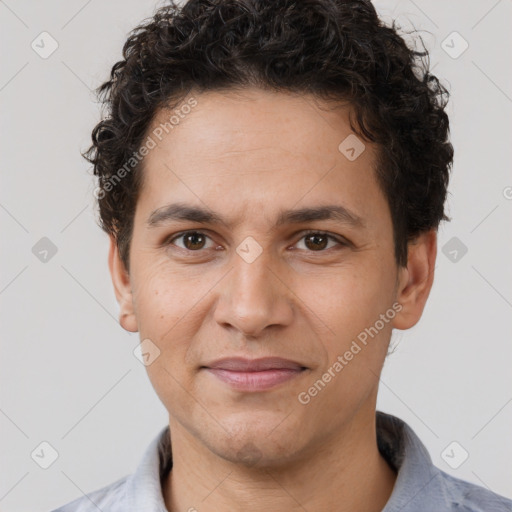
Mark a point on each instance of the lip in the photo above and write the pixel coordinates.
(261, 374)
(242, 364)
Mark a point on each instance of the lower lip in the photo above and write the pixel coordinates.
(254, 381)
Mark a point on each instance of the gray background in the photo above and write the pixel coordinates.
(69, 376)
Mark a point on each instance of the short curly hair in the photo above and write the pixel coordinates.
(333, 49)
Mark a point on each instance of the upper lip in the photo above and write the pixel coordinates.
(241, 364)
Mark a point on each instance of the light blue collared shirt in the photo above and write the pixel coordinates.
(419, 487)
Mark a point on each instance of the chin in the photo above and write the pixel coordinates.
(257, 446)
(252, 455)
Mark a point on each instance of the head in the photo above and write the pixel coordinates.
(272, 176)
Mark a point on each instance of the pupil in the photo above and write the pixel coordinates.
(320, 241)
(192, 238)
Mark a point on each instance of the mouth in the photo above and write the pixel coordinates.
(252, 375)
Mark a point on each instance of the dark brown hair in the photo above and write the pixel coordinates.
(334, 49)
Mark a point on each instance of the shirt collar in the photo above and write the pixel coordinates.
(398, 444)
(418, 480)
(144, 487)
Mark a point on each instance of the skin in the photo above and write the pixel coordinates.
(247, 155)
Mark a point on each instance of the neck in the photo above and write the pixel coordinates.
(345, 472)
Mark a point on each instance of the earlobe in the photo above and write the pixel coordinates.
(415, 281)
(122, 288)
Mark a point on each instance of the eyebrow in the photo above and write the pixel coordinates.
(184, 212)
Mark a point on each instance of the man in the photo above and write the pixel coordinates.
(272, 176)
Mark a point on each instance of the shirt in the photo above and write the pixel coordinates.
(419, 486)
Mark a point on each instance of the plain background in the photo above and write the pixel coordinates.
(68, 373)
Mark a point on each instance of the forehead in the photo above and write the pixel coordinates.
(231, 123)
(258, 150)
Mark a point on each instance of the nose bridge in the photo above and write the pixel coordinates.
(253, 297)
(253, 278)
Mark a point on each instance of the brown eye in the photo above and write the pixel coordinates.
(190, 240)
(193, 241)
(316, 241)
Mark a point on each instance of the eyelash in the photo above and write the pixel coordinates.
(338, 240)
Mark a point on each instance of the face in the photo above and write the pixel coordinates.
(292, 257)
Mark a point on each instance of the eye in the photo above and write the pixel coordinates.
(318, 241)
(314, 241)
(192, 240)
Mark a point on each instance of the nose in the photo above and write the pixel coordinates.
(255, 296)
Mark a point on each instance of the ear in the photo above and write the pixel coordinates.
(415, 281)
(122, 288)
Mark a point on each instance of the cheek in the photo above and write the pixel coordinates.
(360, 338)
(351, 305)
(351, 298)
(167, 308)
(171, 308)
(161, 299)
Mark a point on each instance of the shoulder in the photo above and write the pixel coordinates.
(140, 490)
(467, 497)
(420, 485)
(110, 498)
